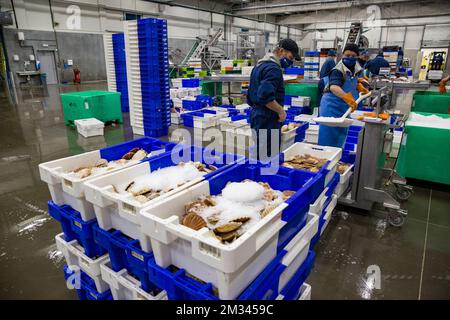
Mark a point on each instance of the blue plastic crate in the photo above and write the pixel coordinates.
(125, 253)
(294, 71)
(148, 144)
(161, 132)
(190, 83)
(193, 104)
(179, 286)
(350, 139)
(298, 110)
(87, 289)
(348, 157)
(75, 228)
(292, 290)
(206, 99)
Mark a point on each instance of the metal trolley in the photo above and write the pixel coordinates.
(374, 142)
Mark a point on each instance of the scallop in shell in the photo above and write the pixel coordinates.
(141, 198)
(228, 227)
(139, 155)
(101, 163)
(83, 173)
(194, 221)
(268, 209)
(287, 194)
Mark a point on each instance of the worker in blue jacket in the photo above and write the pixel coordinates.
(373, 66)
(266, 97)
(329, 64)
(342, 88)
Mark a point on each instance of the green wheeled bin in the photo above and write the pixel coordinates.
(431, 101)
(102, 105)
(425, 151)
(305, 90)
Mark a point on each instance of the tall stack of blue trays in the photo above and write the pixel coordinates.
(120, 65)
(154, 69)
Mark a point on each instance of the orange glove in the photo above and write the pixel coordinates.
(442, 87)
(360, 87)
(348, 98)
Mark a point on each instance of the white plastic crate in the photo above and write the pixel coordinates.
(109, 61)
(74, 254)
(124, 286)
(90, 127)
(344, 182)
(330, 153)
(229, 267)
(120, 211)
(328, 212)
(208, 121)
(175, 118)
(312, 136)
(67, 189)
(318, 205)
(247, 70)
(300, 101)
(304, 293)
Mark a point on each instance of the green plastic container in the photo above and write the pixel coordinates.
(431, 101)
(102, 105)
(305, 90)
(208, 88)
(425, 153)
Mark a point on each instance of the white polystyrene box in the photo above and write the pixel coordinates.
(90, 127)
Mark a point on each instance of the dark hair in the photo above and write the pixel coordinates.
(352, 47)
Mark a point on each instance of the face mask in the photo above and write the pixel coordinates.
(349, 62)
(286, 63)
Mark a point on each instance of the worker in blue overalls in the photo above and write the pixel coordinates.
(327, 66)
(373, 66)
(266, 97)
(342, 88)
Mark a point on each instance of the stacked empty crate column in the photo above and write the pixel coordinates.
(116, 68)
(148, 81)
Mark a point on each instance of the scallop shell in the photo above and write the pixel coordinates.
(79, 169)
(143, 191)
(139, 155)
(241, 220)
(268, 209)
(284, 128)
(121, 161)
(83, 173)
(227, 237)
(141, 198)
(194, 221)
(128, 156)
(209, 201)
(101, 163)
(213, 168)
(228, 227)
(287, 194)
(269, 195)
(213, 219)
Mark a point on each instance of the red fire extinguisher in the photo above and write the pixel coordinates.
(76, 75)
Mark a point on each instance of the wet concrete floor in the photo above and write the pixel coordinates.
(413, 261)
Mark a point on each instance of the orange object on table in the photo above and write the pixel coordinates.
(383, 116)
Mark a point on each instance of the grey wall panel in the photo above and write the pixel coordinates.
(86, 51)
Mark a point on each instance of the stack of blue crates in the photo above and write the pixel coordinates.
(154, 70)
(120, 65)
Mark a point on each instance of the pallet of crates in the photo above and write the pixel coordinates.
(230, 268)
(84, 285)
(67, 186)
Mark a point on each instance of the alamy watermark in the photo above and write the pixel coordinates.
(73, 22)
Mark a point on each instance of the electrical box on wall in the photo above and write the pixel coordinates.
(20, 36)
(31, 57)
(70, 62)
(16, 57)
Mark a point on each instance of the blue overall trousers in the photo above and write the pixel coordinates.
(333, 106)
